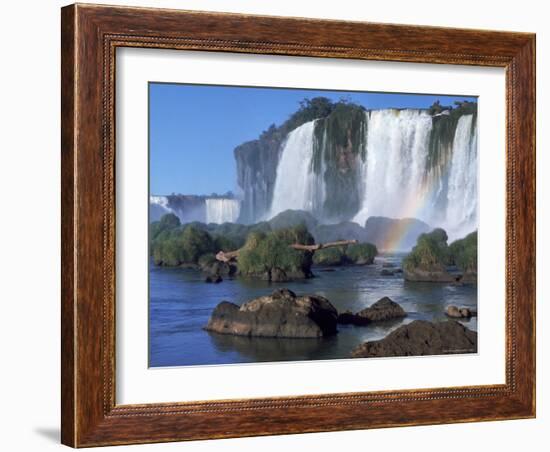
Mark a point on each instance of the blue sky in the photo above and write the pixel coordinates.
(193, 129)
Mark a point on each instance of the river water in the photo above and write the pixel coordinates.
(181, 303)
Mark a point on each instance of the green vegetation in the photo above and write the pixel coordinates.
(360, 253)
(264, 252)
(463, 253)
(330, 256)
(343, 128)
(168, 221)
(431, 252)
(339, 139)
(444, 127)
(174, 244)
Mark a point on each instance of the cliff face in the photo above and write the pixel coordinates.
(338, 150)
(256, 173)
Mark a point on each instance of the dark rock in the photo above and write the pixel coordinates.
(398, 270)
(388, 265)
(460, 313)
(219, 268)
(291, 218)
(345, 230)
(281, 314)
(213, 279)
(278, 275)
(384, 309)
(386, 272)
(453, 311)
(421, 338)
(327, 270)
(349, 318)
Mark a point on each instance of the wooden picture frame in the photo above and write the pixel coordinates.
(90, 35)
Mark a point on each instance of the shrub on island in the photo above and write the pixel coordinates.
(330, 256)
(178, 245)
(463, 253)
(428, 259)
(268, 255)
(359, 254)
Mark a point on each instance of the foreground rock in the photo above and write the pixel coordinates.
(460, 313)
(421, 338)
(281, 314)
(384, 309)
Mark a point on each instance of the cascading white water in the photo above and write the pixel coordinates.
(394, 168)
(222, 210)
(461, 213)
(399, 182)
(296, 186)
(396, 177)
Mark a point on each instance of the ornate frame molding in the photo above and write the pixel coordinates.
(90, 36)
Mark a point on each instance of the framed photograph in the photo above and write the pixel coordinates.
(281, 225)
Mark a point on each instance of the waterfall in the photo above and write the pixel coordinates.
(222, 210)
(393, 171)
(461, 212)
(407, 173)
(296, 184)
(398, 164)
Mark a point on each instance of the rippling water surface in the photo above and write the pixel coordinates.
(181, 302)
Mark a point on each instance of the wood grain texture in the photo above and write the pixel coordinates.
(90, 36)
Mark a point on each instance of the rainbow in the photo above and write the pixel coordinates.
(411, 208)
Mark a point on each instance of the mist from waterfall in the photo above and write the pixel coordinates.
(222, 210)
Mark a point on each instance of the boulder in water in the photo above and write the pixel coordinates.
(460, 313)
(213, 279)
(281, 314)
(384, 309)
(421, 338)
